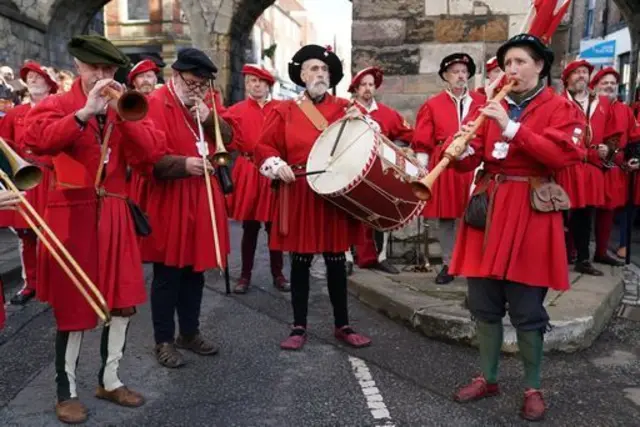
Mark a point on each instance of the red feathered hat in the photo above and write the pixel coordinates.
(600, 74)
(491, 64)
(259, 72)
(36, 68)
(142, 67)
(574, 65)
(374, 71)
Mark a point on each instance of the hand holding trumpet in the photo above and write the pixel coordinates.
(199, 109)
(9, 200)
(195, 166)
(98, 99)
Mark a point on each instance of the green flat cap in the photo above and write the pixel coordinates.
(93, 49)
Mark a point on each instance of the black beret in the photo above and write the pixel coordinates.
(457, 58)
(313, 51)
(533, 42)
(195, 61)
(94, 49)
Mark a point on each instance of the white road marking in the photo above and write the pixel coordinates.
(371, 393)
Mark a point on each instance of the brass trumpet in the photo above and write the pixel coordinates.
(18, 175)
(132, 105)
(422, 187)
(221, 157)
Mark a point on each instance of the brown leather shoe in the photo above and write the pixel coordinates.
(121, 396)
(71, 411)
(197, 344)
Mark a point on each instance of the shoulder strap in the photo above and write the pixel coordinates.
(313, 114)
(103, 153)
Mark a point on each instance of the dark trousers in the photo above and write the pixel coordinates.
(174, 290)
(336, 284)
(251, 229)
(488, 298)
(580, 228)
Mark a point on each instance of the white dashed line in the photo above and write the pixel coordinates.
(371, 393)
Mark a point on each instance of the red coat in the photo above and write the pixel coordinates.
(178, 209)
(12, 129)
(315, 225)
(98, 233)
(437, 120)
(392, 124)
(252, 198)
(522, 245)
(627, 128)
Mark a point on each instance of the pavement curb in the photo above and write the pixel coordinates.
(449, 321)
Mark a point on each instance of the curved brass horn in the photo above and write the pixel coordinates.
(24, 175)
(132, 105)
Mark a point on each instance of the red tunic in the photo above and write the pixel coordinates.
(392, 124)
(98, 233)
(522, 245)
(438, 119)
(315, 225)
(252, 197)
(178, 209)
(627, 128)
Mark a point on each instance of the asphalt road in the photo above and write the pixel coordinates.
(404, 379)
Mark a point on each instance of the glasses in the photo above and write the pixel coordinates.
(194, 85)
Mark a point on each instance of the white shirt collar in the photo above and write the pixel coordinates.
(373, 107)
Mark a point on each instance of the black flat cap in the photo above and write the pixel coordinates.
(457, 58)
(195, 61)
(93, 49)
(313, 51)
(534, 43)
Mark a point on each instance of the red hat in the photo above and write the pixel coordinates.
(36, 68)
(491, 64)
(574, 65)
(600, 74)
(374, 71)
(142, 67)
(259, 72)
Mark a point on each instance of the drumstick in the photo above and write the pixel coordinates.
(342, 126)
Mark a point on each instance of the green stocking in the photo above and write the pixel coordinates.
(490, 343)
(530, 344)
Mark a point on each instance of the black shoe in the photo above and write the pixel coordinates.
(23, 296)
(444, 277)
(585, 267)
(387, 267)
(607, 260)
(572, 259)
(349, 266)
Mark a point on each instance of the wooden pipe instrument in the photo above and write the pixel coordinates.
(132, 105)
(422, 187)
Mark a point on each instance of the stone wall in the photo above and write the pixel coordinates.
(409, 38)
(19, 41)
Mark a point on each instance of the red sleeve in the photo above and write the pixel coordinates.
(143, 144)
(233, 119)
(553, 145)
(271, 142)
(401, 129)
(7, 125)
(423, 139)
(50, 130)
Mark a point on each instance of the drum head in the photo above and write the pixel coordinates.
(351, 157)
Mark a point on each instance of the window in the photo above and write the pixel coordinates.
(137, 10)
(588, 19)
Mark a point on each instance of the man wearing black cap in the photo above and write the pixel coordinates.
(182, 245)
(519, 251)
(308, 224)
(91, 146)
(439, 118)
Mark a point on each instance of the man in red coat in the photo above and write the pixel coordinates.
(526, 138)
(309, 224)
(187, 238)
(143, 76)
(627, 130)
(372, 253)
(585, 180)
(438, 119)
(252, 201)
(12, 128)
(91, 146)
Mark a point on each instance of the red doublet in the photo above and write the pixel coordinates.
(315, 225)
(12, 128)
(98, 232)
(252, 197)
(437, 120)
(178, 209)
(516, 232)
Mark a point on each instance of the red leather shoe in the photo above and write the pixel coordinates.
(242, 286)
(281, 284)
(533, 407)
(478, 389)
(296, 340)
(349, 336)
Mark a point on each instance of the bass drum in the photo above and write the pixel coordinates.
(368, 176)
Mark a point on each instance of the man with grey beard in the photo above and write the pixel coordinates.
(306, 224)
